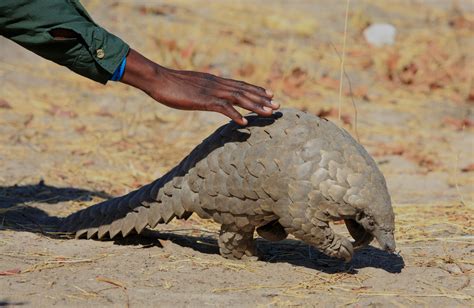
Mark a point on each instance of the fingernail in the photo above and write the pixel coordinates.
(275, 104)
(245, 122)
(269, 92)
(267, 109)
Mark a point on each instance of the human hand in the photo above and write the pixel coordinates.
(189, 90)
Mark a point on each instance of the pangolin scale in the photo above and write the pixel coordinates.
(291, 173)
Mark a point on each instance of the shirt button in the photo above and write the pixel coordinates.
(100, 53)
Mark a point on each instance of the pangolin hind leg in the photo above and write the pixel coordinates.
(236, 243)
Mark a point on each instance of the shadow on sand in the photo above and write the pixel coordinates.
(287, 251)
(7, 303)
(17, 212)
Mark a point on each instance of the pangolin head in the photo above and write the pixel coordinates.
(374, 217)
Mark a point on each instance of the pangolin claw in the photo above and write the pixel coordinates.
(346, 250)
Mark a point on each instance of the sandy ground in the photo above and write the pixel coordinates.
(67, 143)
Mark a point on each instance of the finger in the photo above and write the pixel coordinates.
(256, 98)
(265, 101)
(226, 83)
(246, 86)
(269, 93)
(251, 106)
(229, 82)
(239, 98)
(226, 109)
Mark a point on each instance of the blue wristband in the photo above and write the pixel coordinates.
(119, 71)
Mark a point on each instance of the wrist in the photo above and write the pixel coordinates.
(141, 72)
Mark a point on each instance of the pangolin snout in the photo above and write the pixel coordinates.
(386, 240)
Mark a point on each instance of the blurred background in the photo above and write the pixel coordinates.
(407, 95)
(408, 78)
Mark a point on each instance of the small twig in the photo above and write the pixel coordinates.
(351, 93)
(456, 180)
(111, 281)
(453, 296)
(117, 284)
(342, 60)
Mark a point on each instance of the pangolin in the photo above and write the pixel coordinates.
(292, 173)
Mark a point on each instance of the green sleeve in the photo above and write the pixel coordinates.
(94, 53)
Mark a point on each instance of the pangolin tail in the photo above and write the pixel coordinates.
(122, 215)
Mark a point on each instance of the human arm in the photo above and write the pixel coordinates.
(189, 90)
(63, 32)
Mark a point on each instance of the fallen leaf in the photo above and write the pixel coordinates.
(162, 10)
(329, 82)
(247, 41)
(171, 45)
(427, 160)
(468, 168)
(246, 70)
(470, 96)
(361, 91)
(333, 113)
(388, 149)
(459, 21)
(29, 118)
(10, 272)
(104, 113)
(88, 163)
(323, 113)
(4, 104)
(81, 129)
(458, 124)
(56, 110)
(188, 51)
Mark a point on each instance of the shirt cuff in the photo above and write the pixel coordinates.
(92, 52)
(101, 52)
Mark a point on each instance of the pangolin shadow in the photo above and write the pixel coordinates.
(16, 214)
(17, 210)
(287, 251)
(7, 303)
(19, 216)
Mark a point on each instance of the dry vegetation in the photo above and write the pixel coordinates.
(414, 103)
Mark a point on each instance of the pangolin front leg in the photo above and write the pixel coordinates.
(322, 237)
(312, 226)
(333, 244)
